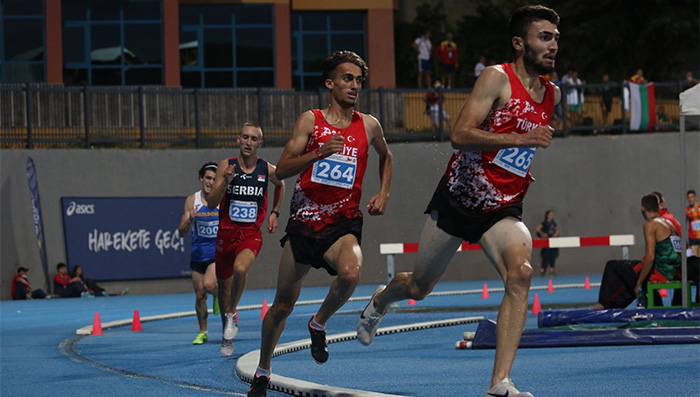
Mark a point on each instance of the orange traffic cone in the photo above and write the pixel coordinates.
(550, 286)
(136, 324)
(263, 312)
(96, 325)
(411, 302)
(536, 308)
(587, 284)
(485, 292)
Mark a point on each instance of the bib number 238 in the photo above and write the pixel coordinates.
(515, 160)
(336, 170)
(243, 211)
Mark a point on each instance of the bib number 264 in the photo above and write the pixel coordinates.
(336, 170)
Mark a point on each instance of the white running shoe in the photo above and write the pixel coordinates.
(505, 388)
(231, 327)
(226, 347)
(369, 320)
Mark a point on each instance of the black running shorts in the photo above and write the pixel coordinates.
(462, 222)
(309, 250)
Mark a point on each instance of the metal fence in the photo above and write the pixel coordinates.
(48, 116)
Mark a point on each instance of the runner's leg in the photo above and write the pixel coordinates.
(200, 305)
(209, 282)
(508, 245)
(244, 260)
(346, 257)
(289, 280)
(436, 249)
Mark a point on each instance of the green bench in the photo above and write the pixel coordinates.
(670, 285)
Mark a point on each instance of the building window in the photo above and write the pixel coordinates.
(315, 35)
(22, 41)
(116, 42)
(227, 45)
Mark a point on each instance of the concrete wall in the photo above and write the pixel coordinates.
(594, 185)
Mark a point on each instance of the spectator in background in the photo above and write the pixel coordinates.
(606, 99)
(692, 215)
(432, 100)
(574, 96)
(66, 286)
(480, 66)
(664, 213)
(559, 114)
(424, 48)
(662, 238)
(447, 53)
(548, 228)
(622, 280)
(91, 285)
(638, 78)
(21, 289)
(662, 119)
(690, 79)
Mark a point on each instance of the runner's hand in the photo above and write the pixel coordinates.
(377, 204)
(538, 137)
(228, 173)
(333, 145)
(272, 223)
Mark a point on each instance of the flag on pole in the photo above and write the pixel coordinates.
(642, 107)
(36, 214)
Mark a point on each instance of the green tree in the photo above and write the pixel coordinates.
(597, 37)
(430, 15)
(484, 34)
(619, 36)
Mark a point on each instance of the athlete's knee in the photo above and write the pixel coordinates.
(210, 286)
(240, 272)
(280, 311)
(419, 292)
(519, 275)
(200, 293)
(414, 290)
(350, 276)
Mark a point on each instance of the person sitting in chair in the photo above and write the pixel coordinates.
(622, 280)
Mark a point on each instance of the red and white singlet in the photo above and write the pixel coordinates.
(330, 190)
(491, 180)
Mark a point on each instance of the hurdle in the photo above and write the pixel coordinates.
(617, 240)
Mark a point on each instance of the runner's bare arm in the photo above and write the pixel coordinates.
(292, 161)
(224, 176)
(278, 195)
(377, 203)
(187, 218)
(492, 90)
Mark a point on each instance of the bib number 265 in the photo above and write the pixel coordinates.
(515, 160)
